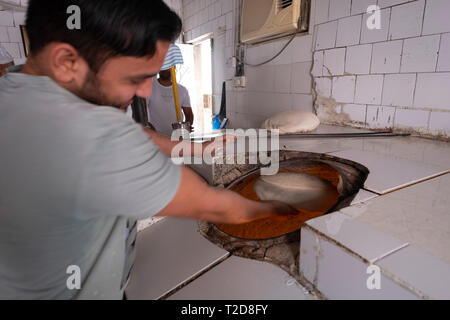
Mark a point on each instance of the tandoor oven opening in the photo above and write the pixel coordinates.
(274, 240)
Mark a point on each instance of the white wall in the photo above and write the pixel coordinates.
(396, 77)
(283, 84)
(10, 36)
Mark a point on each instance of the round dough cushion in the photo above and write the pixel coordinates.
(291, 122)
(302, 191)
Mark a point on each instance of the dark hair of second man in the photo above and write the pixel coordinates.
(109, 28)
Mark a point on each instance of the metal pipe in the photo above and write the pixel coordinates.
(346, 135)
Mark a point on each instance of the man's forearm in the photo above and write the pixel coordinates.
(166, 145)
(230, 207)
(189, 115)
(195, 199)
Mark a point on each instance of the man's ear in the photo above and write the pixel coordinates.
(66, 64)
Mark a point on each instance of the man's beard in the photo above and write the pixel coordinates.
(91, 92)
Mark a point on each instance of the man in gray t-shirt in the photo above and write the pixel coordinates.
(72, 173)
(75, 170)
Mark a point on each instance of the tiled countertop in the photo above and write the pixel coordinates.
(404, 233)
(400, 223)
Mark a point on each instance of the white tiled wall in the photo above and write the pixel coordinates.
(10, 37)
(399, 76)
(396, 77)
(283, 84)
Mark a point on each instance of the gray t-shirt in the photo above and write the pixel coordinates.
(72, 175)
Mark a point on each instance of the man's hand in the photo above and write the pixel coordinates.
(270, 209)
(218, 144)
(195, 199)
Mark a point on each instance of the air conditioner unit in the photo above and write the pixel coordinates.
(262, 19)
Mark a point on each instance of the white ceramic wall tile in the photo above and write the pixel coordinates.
(440, 123)
(302, 102)
(261, 79)
(424, 273)
(436, 17)
(301, 78)
(349, 31)
(255, 121)
(420, 54)
(340, 275)
(317, 70)
(339, 9)
(398, 90)
(13, 49)
(4, 34)
(417, 215)
(388, 172)
(243, 279)
(356, 112)
(376, 35)
(6, 19)
(358, 59)
(386, 57)
(283, 77)
(14, 34)
(432, 90)
(360, 238)
(168, 254)
(285, 56)
(19, 18)
(389, 3)
(240, 121)
(323, 87)
(444, 53)
(407, 118)
(278, 102)
(301, 49)
(322, 7)
(267, 104)
(334, 62)
(369, 89)
(326, 35)
(380, 117)
(227, 6)
(344, 89)
(407, 20)
(360, 6)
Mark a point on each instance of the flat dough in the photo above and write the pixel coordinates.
(291, 122)
(302, 191)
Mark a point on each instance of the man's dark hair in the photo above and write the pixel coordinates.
(109, 28)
